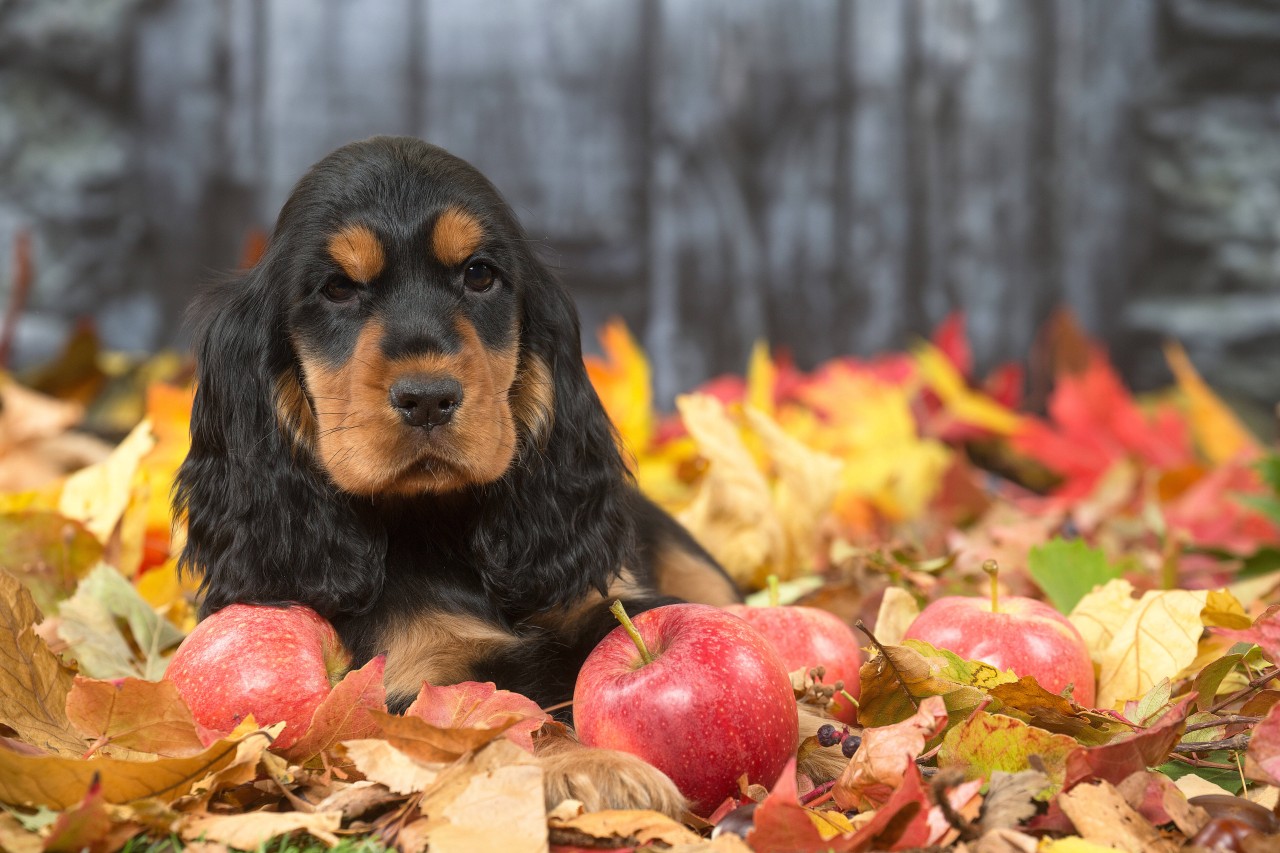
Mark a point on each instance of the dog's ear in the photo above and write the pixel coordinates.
(263, 524)
(557, 522)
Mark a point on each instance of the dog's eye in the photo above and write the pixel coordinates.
(339, 289)
(479, 276)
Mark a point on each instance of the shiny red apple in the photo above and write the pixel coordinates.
(276, 663)
(805, 637)
(1023, 635)
(712, 702)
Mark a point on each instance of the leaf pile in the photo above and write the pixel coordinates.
(869, 487)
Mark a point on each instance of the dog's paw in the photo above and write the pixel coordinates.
(608, 779)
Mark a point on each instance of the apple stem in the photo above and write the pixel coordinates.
(849, 696)
(774, 597)
(627, 625)
(993, 572)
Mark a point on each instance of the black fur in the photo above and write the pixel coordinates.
(266, 522)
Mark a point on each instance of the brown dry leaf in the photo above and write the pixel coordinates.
(877, 768)
(1006, 841)
(47, 552)
(27, 415)
(805, 491)
(250, 831)
(479, 706)
(616, 828)
(243, 767)
(60, 782)
(147, 716)
(358, 799)
(98, 495)
(1011, 798)
(33, 681)
(460, 810)
(1101, 815)
(15, 838)
(429, 743)
(381, 762)
(1158, 640)
(732, 512)
(344, 713)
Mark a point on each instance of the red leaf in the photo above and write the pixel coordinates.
(85, 827)
(1265, 633)
(1114, 762)
(473, 704)
(1263, 756)
(344, 713)
(950, 338)
(1210, 515)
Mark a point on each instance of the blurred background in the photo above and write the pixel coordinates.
(835, 177)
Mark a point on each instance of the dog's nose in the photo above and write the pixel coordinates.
(426, 401)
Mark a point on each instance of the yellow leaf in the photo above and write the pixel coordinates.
(99, 494)
(807, 483)
(963, 403)
(731, 513)
(762, 377)
(622, 380)
(1157, 641)
(898, 609)
(1099, 615)
(1075, 844)
(1217, 430)
(252, 830)
(59, 782)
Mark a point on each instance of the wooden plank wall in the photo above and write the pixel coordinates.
(833, 175)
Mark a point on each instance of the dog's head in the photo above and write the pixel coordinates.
(398, 340)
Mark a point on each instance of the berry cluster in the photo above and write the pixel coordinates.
(828, 735)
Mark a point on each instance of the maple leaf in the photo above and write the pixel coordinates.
(344, 714)
(145, 716)
(783, 825)
(479, 706)
(1214, 513)
(1115, 761)
(1217, 430)
(624, 383)
(1096, 423)
(881, 762)
(1264, 633)
(1262, 759)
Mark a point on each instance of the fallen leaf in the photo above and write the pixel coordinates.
(60, 782)
(878, 766)
(344, 714)
(1068, 570)
(381, 762)
(894, 683)
(1101, 613)
(15, 838)
(33, 681)
(1218, 431)
(250, 831)
(147, 716)
(88, 625)
(1011, 799)
(618, 828)
(972, 408)
(1265, 633)
(898, 609)
(359, 799)
(782, 825)
(1262, 759)
(86, 828)
(1158, 640)
(1100, 814)
(623, 381)
(47, 552)
(98, 495)
(1026, 700)
(1114, 762)
(986, 743)
(479, 705)
(461, 810)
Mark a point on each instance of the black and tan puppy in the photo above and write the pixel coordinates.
(393, 426)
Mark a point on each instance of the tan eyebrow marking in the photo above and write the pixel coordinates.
(358, 252)
(455, 237)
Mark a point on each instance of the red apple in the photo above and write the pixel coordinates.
(713, 701)
(276, 663)
(805, 637)
(1024, 635)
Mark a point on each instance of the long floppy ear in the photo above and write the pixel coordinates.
(556, 524)
(263, 524)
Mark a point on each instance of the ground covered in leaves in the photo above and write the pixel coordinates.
(868, 487)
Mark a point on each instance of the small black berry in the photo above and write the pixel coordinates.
(850, 745)
(827, 735)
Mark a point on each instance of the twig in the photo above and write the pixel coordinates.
(1253, 686)
(861, 626)
(817, 793)
(1240, 741)
(1228, 720)
(22, 278)
(1199, 762)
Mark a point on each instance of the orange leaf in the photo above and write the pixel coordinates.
(1218, 431)
(345, 712)
(479, 705)
(147, 716)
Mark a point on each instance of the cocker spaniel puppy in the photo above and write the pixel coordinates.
(393, 426)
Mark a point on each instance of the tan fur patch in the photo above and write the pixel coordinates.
(367, 449)
(439, 648)
(604, 779)
(533, 401)
(293, 411)
(455, 237)
(691, 578)
(357, 250)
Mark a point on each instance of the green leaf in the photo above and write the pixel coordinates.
(1269, 469)
(1229, 779)
(985, 743)
(90, 625)
(1068, 570)
(1210, 679)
